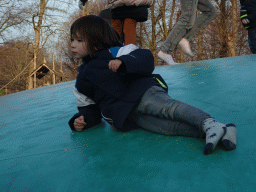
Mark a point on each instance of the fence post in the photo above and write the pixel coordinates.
(53, 67)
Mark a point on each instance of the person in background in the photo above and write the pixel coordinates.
(187, 27)
(107, 15)
(248, 19)
(126, 14)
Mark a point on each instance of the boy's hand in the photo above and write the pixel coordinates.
(79, 123)
(114, 64)
(245, 21)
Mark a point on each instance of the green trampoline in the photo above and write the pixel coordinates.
(39, 152)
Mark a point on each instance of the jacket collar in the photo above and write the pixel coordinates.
(102, 54)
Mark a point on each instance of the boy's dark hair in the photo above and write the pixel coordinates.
(96, 32)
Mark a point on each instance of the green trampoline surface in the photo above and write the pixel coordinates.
(39, 152)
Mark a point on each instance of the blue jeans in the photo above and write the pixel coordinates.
(159, 113)
(252, 40)
(189, 25)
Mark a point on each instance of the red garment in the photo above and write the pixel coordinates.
(128, 27)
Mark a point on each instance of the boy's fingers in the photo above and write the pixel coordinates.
(77, 121)
(110, 64)
(78, 128)
(115, 67)
(114, 64)
(80, 124)
(112, 67)
(244, 21)
(81, 117)
(80, 120)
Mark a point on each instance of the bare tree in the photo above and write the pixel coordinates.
(45, 26)
(89, 7)
(200, 45)
(12, 14)
(14, 58)
(151, 32)
(227, 27)
(232, 35)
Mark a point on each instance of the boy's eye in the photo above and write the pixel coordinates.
(79, 40)
(72, 40)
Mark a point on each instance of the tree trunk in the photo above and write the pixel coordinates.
(87, 9)
(165, 31)
(140, 37)
(232, 38)
(53, 67)
(153, 37)
(181, 59)
(172, 13)
(223, 30)
(37, 29)
(181, 55)
(200, 45)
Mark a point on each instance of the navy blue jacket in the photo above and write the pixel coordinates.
(116, 94)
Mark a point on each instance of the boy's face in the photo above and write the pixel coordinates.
(78, 48)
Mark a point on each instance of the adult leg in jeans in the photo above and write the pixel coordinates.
(157, 102)
(185, 23)
(181, 28)
(187, 27)
(207, 14)
(252, 40)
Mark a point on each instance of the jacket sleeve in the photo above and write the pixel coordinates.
(251, 13)
(140, 61)
(91, 113)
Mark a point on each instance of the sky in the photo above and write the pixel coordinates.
(18, 32)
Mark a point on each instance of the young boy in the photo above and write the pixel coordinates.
(126, 94)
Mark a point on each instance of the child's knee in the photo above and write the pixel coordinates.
(187, 21)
